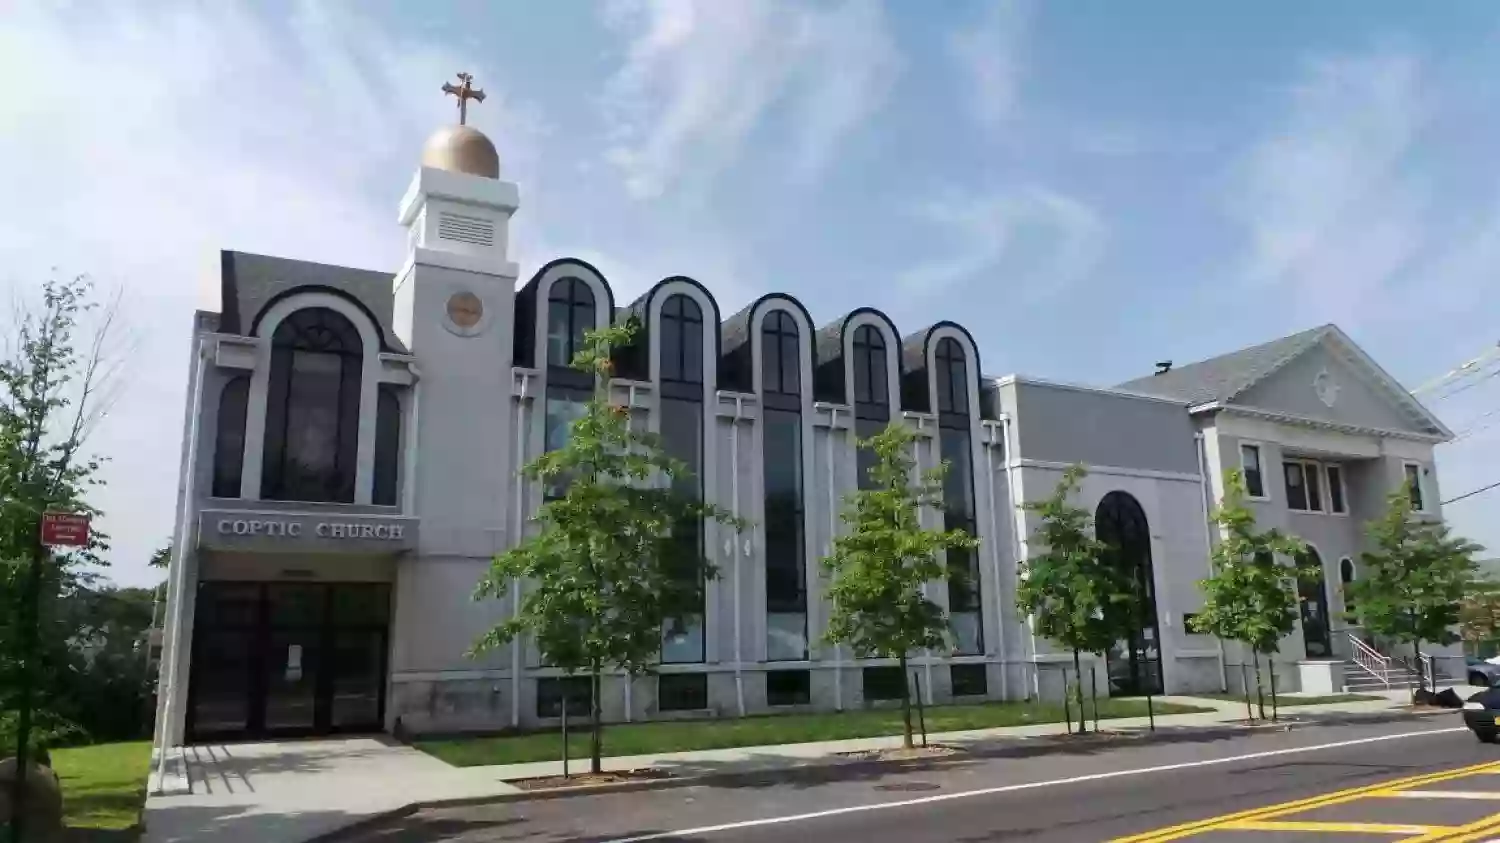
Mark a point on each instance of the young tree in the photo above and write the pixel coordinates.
(1412, 582)
(1479, 615)
(880, 566)
(1247, 597)
(618, 553)
(52, 392)
(1077, 599)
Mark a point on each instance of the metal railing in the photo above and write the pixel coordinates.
(1370, 660)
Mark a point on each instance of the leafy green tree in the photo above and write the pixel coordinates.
(617, 554)
(1075, 597)
(880, 567)
(56, 369)
(1412, 583)
(1248, 597)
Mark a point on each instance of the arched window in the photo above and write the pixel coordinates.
(229, 440)
(870, 383)
(952, 378)
(781, 462)
(312, 408)
(1317, 632)
(1120, 524)
(780, 364)
(681, 340)
(387, 445)
(570, 312)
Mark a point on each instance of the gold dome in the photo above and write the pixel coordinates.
(462, 149)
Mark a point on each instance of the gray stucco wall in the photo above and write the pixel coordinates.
(1063, 424)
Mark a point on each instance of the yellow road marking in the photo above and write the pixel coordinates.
(1270, 811)
(1441, 794)
(1353, 828)
(1479, 830)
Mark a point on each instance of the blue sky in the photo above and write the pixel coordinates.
(1089, 187)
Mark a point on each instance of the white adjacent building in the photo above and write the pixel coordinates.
(352, 439)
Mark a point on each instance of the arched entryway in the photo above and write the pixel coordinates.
(1312, 594)
(1120, 523)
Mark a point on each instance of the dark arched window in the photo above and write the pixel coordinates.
(1317, 626)
(387, 445)
(312, 408)
(681, 340)
(681, 431)
(780, 364)
(781, 462)
(1346, 576)
(870, 383)
(570, 312)
(229, 440)
(952, 378)
(1120, 524)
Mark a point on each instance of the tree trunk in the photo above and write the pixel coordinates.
(1245, 687)
(1083, 715)
(596, 727)
(1260, 690)
(905, 705)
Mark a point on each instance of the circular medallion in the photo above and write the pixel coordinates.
(465, 310)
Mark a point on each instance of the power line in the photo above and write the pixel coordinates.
(1469, 384)
(1460, 370)
(1495, 485)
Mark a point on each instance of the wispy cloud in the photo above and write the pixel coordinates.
(1035, 240)
(990, 55)
(699, 79)
(1329, 197)
(206, 127)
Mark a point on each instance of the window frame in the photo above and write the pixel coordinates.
(1260, 470)
(327, 331)
(1311, 471)
(1420, 505)
(1328, 484)
(576, 306)
(688, 363)
(780, 334)
(868, 351)
(696, 678)
(804, 691)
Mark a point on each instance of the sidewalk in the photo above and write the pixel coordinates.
(295, 791)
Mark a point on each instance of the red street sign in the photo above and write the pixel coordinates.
(66, 529)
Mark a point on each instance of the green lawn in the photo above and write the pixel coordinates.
(1284, 701)
(682, 735)
(103, 786)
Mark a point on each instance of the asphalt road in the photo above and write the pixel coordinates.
(1085, 794)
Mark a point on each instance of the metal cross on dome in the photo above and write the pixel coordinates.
(464, 92)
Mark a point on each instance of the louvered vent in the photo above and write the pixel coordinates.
(460, 228)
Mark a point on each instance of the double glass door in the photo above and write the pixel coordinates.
(284, 659)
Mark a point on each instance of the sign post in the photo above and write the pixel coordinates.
(58, 529)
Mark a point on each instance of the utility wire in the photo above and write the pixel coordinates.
(1481, 490)
(1469, 384)
(1460, 370)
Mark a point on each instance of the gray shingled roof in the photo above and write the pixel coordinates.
(1221, 378)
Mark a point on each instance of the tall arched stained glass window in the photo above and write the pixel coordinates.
(1120, 523)
(872, 406)
(570, 312)
(229, 439)
(312, 408)
(680, 346)
(965, 594)
(781, 463)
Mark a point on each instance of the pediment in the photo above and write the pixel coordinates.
(1334, 381)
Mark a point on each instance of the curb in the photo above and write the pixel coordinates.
(1110, 740)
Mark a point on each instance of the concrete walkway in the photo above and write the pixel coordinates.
(296, 790)
(293, 791)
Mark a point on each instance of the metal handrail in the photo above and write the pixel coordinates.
(1371, 660)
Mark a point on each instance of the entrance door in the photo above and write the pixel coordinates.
(287, 659)
(1312, 594)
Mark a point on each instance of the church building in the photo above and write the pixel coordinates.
(352, 441)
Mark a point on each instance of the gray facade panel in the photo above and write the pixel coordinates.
(1061, 424)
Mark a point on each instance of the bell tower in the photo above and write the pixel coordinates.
(454, 310)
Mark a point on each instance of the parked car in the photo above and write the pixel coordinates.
(1483, 673)
(1482, 715)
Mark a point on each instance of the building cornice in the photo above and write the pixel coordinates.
(1317, 424)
